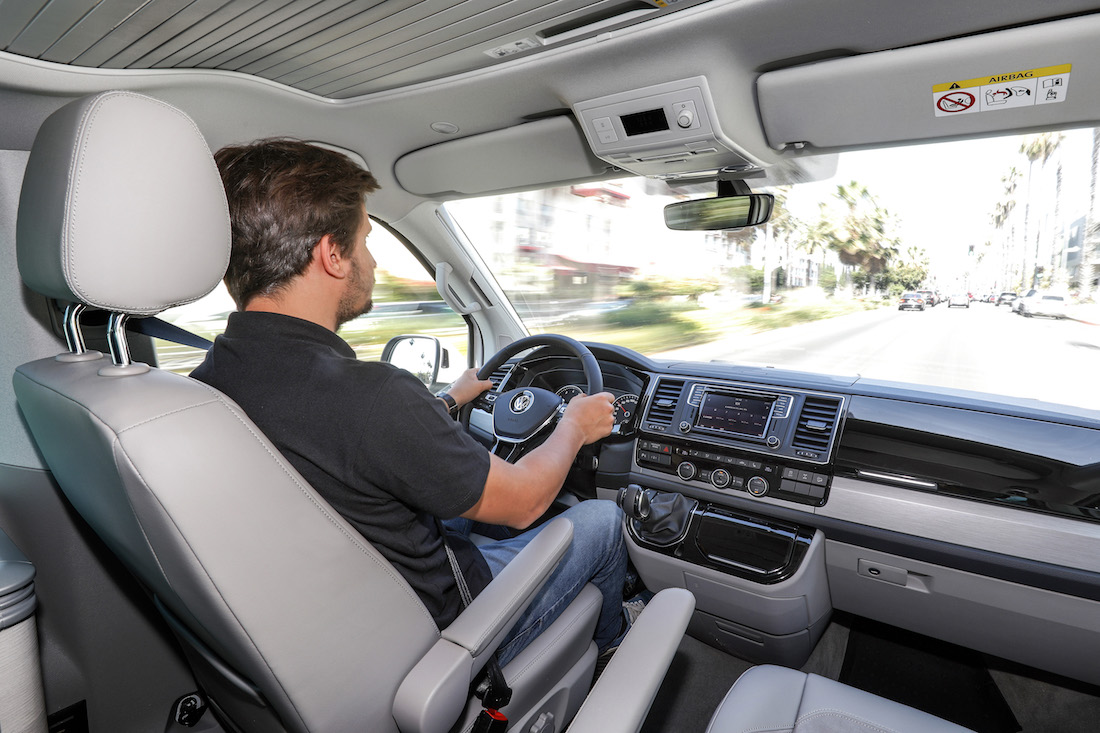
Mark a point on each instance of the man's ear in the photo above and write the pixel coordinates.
(330, 258)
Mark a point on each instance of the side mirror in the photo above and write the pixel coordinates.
(421, 356)
(723, 212)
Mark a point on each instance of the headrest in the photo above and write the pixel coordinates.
(122, 207)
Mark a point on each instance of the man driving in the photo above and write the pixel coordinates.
(368, 436)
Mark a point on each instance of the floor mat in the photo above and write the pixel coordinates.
(939, 678)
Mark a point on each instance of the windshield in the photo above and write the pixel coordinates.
(818, 287)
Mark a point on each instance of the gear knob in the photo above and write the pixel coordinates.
(635, 502)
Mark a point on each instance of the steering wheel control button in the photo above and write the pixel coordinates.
(720, 478)
(686, 470)
(757, 486)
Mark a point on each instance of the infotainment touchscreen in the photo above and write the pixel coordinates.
(726, 412)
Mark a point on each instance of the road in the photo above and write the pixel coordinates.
(983, 348)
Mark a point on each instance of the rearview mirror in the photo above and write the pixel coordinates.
(723, 212)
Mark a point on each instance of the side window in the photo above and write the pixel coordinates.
(405, 302)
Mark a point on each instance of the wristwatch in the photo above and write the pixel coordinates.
(452, 406)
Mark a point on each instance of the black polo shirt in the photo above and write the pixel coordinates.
(367, 436)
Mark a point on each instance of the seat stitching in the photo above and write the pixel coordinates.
(833, 712)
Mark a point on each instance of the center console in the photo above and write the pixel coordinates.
(736, 437)
(760, 584)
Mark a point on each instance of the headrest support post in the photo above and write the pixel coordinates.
(116, 339)
(74, 338)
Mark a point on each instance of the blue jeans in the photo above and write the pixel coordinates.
(597, 555)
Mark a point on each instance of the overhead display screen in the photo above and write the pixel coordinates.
(640, 123)
(726, 412)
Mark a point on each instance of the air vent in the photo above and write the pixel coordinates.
(816, 424)
(499, 376)
(665, 397)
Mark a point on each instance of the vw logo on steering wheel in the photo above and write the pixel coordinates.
(522, 402)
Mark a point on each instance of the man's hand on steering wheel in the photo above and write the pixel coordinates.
(592, 414)
(467, 387)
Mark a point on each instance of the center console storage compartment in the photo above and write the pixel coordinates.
(760, 586)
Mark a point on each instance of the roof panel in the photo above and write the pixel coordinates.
(202, 34)
(14, 18)
(337, 47)
(239, 33)
(140, 24)
(100, 20)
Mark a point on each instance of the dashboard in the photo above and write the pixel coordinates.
(951, 514)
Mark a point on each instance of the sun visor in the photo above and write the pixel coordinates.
(553, 151)
(1006, 81)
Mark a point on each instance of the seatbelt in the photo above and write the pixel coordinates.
(161, 329)
(493, 689)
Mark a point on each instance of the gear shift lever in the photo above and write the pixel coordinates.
(658, 518)
(635, 502)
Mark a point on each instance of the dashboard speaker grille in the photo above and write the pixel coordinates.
(665, 397)
(816, 424)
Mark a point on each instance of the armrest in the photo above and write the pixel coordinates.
(434, 693)
(480, 628)
(620, 699)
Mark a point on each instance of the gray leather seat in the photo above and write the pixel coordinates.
(290, 619)
(765, 699)
(769, 698)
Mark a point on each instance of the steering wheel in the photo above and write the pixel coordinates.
(522, 413)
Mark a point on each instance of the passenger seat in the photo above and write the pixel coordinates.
(782, 700)
(766, 699)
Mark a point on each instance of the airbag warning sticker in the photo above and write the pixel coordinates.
(1026, 88)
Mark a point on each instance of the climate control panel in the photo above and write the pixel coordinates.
(729, 471)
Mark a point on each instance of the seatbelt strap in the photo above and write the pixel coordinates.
(161, 329)
(493, 690)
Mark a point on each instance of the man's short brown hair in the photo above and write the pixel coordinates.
(284, 195)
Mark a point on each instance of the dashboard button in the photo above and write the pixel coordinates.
(720, 477)
(790, 473)
(820, 479)
(805, 476)
(686, 470)
(757, 486)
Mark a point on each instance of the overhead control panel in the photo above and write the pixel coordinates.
(661, 131)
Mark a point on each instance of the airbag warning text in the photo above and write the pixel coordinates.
(1026, 88)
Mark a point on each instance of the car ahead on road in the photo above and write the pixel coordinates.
(1006, 298)
(912, 301)
(961, 300)
(1018, 304)
(930, 297)
(1044, 304)
(526, 152)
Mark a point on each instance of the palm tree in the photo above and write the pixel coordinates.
(777, 232)
(1002, 211)
(860, 234)
(1090, 249)
(1037, 148)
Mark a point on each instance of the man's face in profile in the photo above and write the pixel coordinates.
(356, 300)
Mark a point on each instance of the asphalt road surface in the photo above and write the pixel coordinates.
(983, 348)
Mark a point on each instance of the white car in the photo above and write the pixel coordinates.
(961, 300)
(1044, 304)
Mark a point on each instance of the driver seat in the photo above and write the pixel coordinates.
(289, 619)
